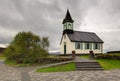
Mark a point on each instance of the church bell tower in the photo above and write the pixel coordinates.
(67, 23)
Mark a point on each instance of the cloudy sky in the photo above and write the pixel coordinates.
(44, 18)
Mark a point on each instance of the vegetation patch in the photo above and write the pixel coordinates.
(53, 60)
(13, 63)
(113, 52)
(109, 56)
(27, 48)
(85, 56)
(108, 64)
(2, 57)
(58, 68)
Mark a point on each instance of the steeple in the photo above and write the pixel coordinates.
(67, 23)
(68, 17)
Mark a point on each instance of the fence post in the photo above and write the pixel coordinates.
(73, 55)
(91, 54)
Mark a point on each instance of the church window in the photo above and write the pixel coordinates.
(69, 25)
(78, 45)
(87, 46)
(96, 46)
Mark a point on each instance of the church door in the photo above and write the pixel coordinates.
(64, 49)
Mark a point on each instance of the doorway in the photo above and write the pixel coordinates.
(64, 49)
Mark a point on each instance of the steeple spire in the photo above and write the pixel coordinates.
(68, 17)
(67, 23)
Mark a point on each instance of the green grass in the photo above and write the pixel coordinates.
(109, 64)
(2, 57)
(114, 54)
(13, 63)
(84, 56)
(58, 68)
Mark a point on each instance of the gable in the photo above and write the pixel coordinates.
(62, 38)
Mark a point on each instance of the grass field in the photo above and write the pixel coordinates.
(2, 57)
(59, 68)
(108, 64)
(84, 56)
(114, 54)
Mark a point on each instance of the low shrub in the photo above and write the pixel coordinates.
(108, 56)
(44, 60)
(113, 52)
(29, 60)
(53, 60)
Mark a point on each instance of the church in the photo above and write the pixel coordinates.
(79, 41)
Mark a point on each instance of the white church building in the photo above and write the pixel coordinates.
(79, 41)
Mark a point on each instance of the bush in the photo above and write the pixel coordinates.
(53, 60)
(25, 48)
(29, 60)
(108, 56)
(113, 52)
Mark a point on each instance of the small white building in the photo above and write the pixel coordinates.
(79, 41)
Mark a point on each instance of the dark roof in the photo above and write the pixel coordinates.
(79, 36)
(68, 17)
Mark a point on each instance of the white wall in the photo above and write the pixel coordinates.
(84, 51)
(70, 46)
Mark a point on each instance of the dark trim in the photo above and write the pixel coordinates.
(86, 41)
(77, 54)
(68, 31)
(61, 39)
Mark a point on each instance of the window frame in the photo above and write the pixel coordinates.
(87, 45)
(78, 45)
(96, 46)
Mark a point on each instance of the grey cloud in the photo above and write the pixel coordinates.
(44, 18)
(111, 40)
(5, 40)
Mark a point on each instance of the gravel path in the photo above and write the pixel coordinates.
(8, 73)
(113, 75)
